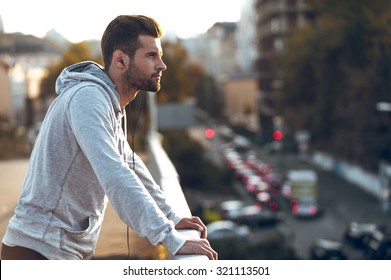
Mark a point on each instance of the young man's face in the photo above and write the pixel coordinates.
(145, 70)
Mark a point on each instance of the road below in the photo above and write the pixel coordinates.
(341, 202)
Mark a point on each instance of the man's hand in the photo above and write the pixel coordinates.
(193, 223)
(197, 247)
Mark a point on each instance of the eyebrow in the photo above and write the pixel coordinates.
(154, 52)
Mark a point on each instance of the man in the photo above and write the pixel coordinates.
(81, 159)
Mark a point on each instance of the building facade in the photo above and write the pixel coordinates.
(245, 36)
(6, 111)
(276, 20)
(24, 60)
(240, 96)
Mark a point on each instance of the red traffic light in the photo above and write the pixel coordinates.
(209, 133)
(277, 135)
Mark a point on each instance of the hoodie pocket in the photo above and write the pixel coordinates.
(81, 243)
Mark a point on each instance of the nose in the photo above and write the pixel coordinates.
(162, 66)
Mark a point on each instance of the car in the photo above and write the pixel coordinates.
(241, 142)
(226, 133)
(230, 209)
(231, 157)
(226, 230)
(252, 182)
(273, 178)
(234, 164)
(379, 245)
(255, 216)
(261, 186)
(284, 145)
(268, 201)
(242, 173)
(359, 233)
(327, 249)
(262, 168)
(303, 192)
(246, 175)
(286, 190)
(305, 208)
(267, 195)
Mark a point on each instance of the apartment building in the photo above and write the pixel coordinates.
(23, 64)
(276, 20)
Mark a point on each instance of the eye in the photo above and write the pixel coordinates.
(152, 54)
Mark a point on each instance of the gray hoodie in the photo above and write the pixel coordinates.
(80, 161)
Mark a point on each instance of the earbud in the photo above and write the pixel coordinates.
(121, 61)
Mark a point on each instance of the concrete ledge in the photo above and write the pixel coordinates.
(167, 177)
(189, 234)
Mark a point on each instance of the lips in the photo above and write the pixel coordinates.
(156, 78)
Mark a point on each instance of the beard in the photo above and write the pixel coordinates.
(139, 80)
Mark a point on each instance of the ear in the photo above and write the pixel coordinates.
(119, 58)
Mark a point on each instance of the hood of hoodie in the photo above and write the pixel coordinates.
(87, 71)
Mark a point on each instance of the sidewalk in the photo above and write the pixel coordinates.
(112, 243)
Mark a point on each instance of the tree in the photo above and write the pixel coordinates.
(333, 91)
(76, 53)
(185, 79)
(195, 170)
(181, 76)
(209, 97)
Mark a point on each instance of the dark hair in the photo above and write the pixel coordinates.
(122, 34)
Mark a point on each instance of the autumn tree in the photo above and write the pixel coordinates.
(186, 79)
(177, 84)
(335, 73)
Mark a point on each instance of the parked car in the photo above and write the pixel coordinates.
(359, 233)
(379, 245)
(327, 249)
(226, 230)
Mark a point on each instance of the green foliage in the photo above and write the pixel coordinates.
(194, 170)
(181, 77)
(184, 79)
(335, 73)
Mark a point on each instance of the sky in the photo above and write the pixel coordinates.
(79, 20)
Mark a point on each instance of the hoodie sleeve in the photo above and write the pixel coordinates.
(147, 180)
(92, 119)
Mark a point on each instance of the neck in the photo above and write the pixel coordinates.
(126, 93)
(126, 97)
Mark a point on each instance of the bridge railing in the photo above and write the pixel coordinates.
(166, 175)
